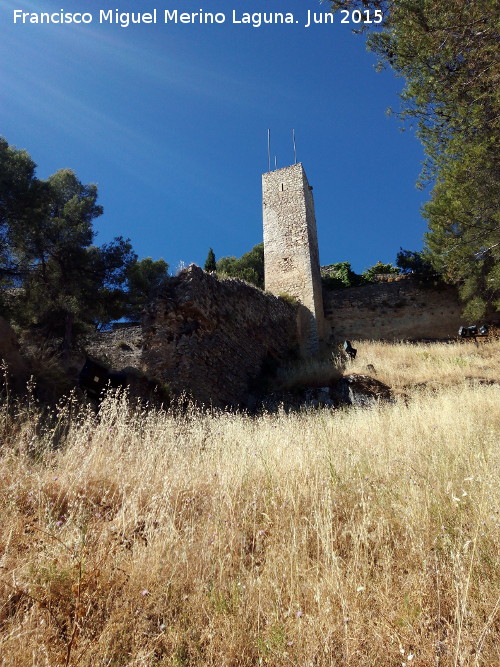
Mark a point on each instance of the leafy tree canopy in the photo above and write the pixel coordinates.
(414, 263)
(18, 194)
(447, 53)
(145, 279)
(249, 267)
(47, 250)
(68, 281)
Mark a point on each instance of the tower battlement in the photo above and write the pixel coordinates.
(291, 256)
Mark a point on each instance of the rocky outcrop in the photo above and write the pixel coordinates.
(215, 338)
(360, 391)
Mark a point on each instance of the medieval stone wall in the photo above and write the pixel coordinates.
(212, 338)
(399, 310)
(291, 255)
(118, 348)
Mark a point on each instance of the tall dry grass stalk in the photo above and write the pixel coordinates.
(356, 537)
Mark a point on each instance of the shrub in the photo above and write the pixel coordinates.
(379, 269)
(336, 276)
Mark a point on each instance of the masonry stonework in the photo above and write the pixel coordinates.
(291, 256)
(217, 339)
(393, 311)
(214, 338)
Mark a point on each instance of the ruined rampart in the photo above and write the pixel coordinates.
(213, 338)
(399, 310)
(118, 348)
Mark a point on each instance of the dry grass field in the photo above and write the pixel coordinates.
(410, 367)
(349, 537)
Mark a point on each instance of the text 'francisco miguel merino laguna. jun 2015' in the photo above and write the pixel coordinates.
(174, 16)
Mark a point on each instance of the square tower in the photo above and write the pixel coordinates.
(291, 256)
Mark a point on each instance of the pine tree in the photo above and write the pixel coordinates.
(145, 279)
(210, 264)
(447, 52)
(67, 283)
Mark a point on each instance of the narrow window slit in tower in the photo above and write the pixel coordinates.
(282, 187)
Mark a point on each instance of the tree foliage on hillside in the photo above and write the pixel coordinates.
(379, 269)
(145, 279)
(66, 282)
(249, 267)
(18, 193)
(414, 263)
(339, 275)
(447, 53)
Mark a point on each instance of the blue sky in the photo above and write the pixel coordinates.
(170, 120)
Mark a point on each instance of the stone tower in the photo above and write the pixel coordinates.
(291, 257)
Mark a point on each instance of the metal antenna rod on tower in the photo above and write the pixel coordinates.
(275, 162)
(269, 149)
(294, 148)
